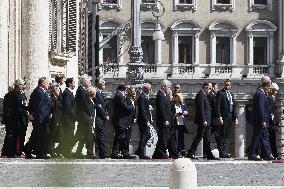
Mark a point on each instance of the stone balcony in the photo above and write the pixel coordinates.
(191, 71)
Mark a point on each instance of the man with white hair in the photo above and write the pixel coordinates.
(163, 122)
(260, 119)
(273, 119)
(84, 112)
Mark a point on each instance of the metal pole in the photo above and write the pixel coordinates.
(97, 46)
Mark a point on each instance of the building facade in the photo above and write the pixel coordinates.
(204, 41)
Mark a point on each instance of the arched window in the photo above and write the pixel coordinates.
(223, 43)
(260, 42)
(185, 44)
(185, 5)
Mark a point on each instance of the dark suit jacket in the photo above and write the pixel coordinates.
(203, 109)
(223, 105)
(101, 108)
(144, 114)
(184, 108)
(121, 110)
(163, 109)
(68, 105)
(212, 100)
(260, 108)
(273, 111)
(84, 106)
(40, 105)
(56, 110)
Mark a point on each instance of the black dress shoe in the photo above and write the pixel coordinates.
(144, 157)
(225, 155)
(191, 156)
(128, 156)
(116, 156)
(254, 158)
(270, 158)
(212, 158)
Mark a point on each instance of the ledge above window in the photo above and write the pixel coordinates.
(185, 5)
(110, 4)
(217, 5)
(147, 5)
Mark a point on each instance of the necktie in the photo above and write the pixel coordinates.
(229, 96)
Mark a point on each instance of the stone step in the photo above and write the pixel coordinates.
(135, 173)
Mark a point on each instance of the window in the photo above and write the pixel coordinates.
(259, 51)
(223, 5)
(223, 2)
(185, 1)
(223, 43)
(260, 5)
(185, 45)
(223, 50)
(110, 50)
(260, 2)
(260, 47)
(185, 49)
(185, 5)
(148, 47)
(111, 4)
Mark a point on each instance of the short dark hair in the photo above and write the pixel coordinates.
(227, 80)
(121, 87)
(69, 81)
(58, 78)
(41, 80)
(214, 84)
(205, 84)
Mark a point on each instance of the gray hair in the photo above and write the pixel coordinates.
(165, 82)
(83, 78)
(41, 80)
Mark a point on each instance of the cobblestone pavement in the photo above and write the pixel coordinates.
(134, 173)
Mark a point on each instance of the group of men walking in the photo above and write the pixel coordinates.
(54, 112)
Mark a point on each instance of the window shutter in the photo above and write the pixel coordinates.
(72, 25)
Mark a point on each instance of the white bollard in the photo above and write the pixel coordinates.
(183, 174)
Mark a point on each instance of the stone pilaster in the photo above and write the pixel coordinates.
(4, 82)
(35, 34)
(280, 62)
(240, 132)
(280, 137)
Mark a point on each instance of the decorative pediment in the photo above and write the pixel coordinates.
(261, 26)
(186, 25)
(223, 27)
(110, 23)
(148, 25)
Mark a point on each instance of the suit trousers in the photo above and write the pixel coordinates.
(145, 135)
(120, 140)
(166, 140)
(260, 138)
(67, 142)
(202, 133)
(42, 140)
(85, 135)
(272, 141)
(223, 133)
(101, 148)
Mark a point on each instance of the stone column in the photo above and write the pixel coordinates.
(35, 34)
(212, 49)
(196, 56)
(4, 81)
(250, 56)
(240, 132)
(280, 141)
(233, 49)
(280, 61)
(271, 54)
(175, 54)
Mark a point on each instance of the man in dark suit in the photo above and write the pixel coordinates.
(203, 121)
(101, 117)
(84, 113)
(260, 118)
(163, 122)
(68, 118)
(144, 120)
(39, 109)
(226, 112)
(121, 112)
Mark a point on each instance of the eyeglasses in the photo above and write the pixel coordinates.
(176, 87)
